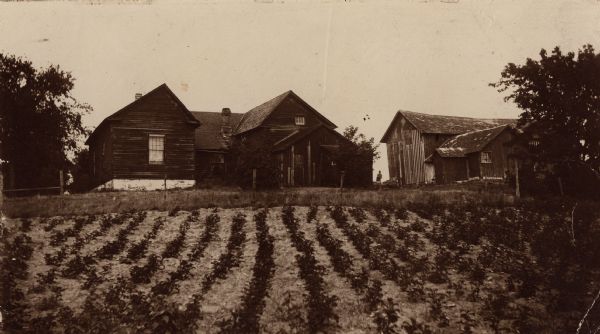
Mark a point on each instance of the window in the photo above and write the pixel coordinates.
(486, 157)
(156, 149)
(299, 120)
(217, 159)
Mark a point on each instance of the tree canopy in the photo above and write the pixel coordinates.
(559, 95)
(357, 160)
(40, 122)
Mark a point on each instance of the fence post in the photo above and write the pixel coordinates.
(342, 179)
(254, 179)
(165, 186)
(62, 182)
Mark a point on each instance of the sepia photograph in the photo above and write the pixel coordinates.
(300, 166)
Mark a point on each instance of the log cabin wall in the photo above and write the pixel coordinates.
(158, 114)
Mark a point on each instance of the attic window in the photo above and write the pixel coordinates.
(486, 157)
(156, 149)
(299, 120)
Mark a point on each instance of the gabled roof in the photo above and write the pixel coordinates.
(257, 115)
(438, 124)
(164, 88)
(208, 135)
(461, 145)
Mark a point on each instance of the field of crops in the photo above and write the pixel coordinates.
(302, 270)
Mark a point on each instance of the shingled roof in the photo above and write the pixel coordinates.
(257, 115)
(208, 135)
(438, 124)
(461, 145)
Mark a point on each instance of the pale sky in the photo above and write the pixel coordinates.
(346, 59)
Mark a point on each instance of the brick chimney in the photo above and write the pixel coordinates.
(226, 123)
(138, 95)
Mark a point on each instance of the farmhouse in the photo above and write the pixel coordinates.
(155, 141)
(412, 139)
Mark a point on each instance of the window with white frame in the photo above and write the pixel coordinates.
(156, 149)
(299, 120)
(486, 157)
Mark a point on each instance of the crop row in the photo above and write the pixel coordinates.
(320, 305)
(165, 287)
(14, 267)
(186, 320)
(246, 318)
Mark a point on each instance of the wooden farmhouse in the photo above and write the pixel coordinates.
(155, 141)
(412, 140)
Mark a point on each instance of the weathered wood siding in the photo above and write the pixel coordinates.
(499, 154)
(432, 141)
(157, 114)
(281, 122)
(306, 163)
(450, 169)
(406, 153)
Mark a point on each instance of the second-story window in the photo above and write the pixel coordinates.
(299, 120)
(156, 149)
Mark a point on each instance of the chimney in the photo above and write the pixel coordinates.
(138, 95)
(226, 123)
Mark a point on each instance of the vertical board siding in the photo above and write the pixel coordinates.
(406, 153)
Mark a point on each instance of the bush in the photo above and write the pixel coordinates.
(247, 156)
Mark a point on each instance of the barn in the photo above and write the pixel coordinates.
(412, 139)
(481, 154)
(156, 142)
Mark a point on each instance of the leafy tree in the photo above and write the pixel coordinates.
(40, 122)
(356, 159)
(248, 155)
(560, 123)
(560, 98)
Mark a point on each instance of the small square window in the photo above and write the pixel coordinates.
(299, 120)
(486, 157)
(156, 149)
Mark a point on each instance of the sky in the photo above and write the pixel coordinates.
(356, 62)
